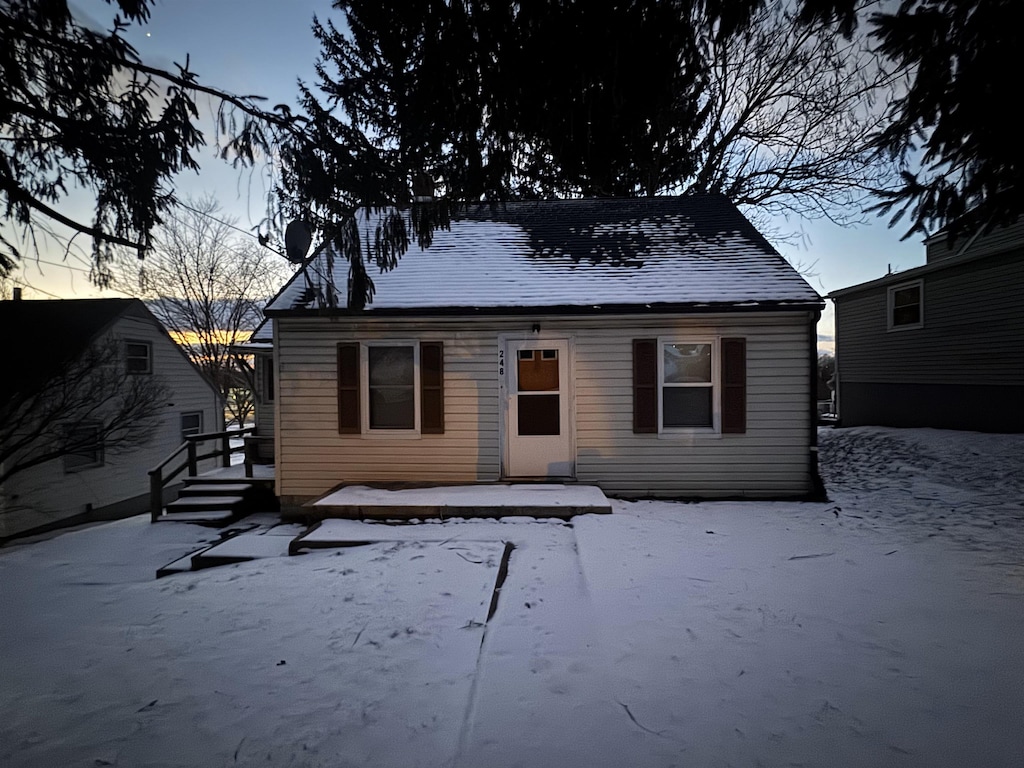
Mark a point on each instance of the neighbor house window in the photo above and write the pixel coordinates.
(191, 424)
(906, 306)
(85, 448)
(138, 357)
(687, 382)
(391, 387)
(267, 364)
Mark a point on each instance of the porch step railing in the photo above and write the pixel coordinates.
(188, 456)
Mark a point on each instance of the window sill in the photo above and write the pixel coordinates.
(701, 432)
(387, 434)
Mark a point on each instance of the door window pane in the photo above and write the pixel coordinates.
(538, 414)
(538, 373)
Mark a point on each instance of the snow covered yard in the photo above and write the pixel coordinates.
(883, 628)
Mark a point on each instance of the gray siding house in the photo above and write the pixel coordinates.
(941, 345)
(652, 347)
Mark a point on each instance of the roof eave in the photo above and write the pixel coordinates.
(789, 305)
(913, 273)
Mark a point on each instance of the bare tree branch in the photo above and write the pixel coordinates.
(39, 426)
(207, 287)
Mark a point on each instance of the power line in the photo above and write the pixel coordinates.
(26, 284)
(62, 266)
(227, 224)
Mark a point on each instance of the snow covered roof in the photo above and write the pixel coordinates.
(593, 254)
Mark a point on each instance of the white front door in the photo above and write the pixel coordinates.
(538, 412)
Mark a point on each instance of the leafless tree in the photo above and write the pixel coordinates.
(40, 424)
(207, 285)
(791, 109)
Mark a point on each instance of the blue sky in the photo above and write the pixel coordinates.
(263, 47)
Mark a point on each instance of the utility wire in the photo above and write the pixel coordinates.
(229, 225)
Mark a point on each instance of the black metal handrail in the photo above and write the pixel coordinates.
(223, 449)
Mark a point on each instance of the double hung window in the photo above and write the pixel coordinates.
(191, 423)
(905, 305)
(391, 388)
(686, 385)
(85, 448)
(138, 357)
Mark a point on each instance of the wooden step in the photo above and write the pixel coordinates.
(211, 519)
(214, 489)
(205, 504)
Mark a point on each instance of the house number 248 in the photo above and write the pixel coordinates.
(501, 362)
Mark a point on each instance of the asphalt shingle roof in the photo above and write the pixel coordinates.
(680, 251)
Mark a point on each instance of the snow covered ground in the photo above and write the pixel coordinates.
(883, 628)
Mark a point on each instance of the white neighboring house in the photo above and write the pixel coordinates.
(651, 346)
(45, 339)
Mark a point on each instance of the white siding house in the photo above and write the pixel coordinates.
(105, 482)
(652, 347)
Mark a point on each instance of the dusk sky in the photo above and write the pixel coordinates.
(261, 47)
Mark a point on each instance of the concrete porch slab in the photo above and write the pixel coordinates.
(263, 535)
(239, 549)
(492, 500)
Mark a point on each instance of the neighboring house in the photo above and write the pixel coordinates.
(941, 345)
(653, 347)
(49, 348)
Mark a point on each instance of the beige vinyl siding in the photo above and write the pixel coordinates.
(52, 493)
(770, 459)
(973, 328)
(312, 457)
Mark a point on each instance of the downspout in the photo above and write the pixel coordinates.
(837, 407)
(818, 492)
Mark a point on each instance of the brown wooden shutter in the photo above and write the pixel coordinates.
(432, 387)
(348, 389)
(645, 385)
(734, 386)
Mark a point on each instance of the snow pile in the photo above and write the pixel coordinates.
(879, 629)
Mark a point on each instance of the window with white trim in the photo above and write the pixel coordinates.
(688, 379)
(138, 357)
(391, 388)
(85, 448)
(905, 306)
(191, 423)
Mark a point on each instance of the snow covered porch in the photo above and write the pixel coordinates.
(488, 500)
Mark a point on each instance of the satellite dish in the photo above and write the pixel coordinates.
(297, 237)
